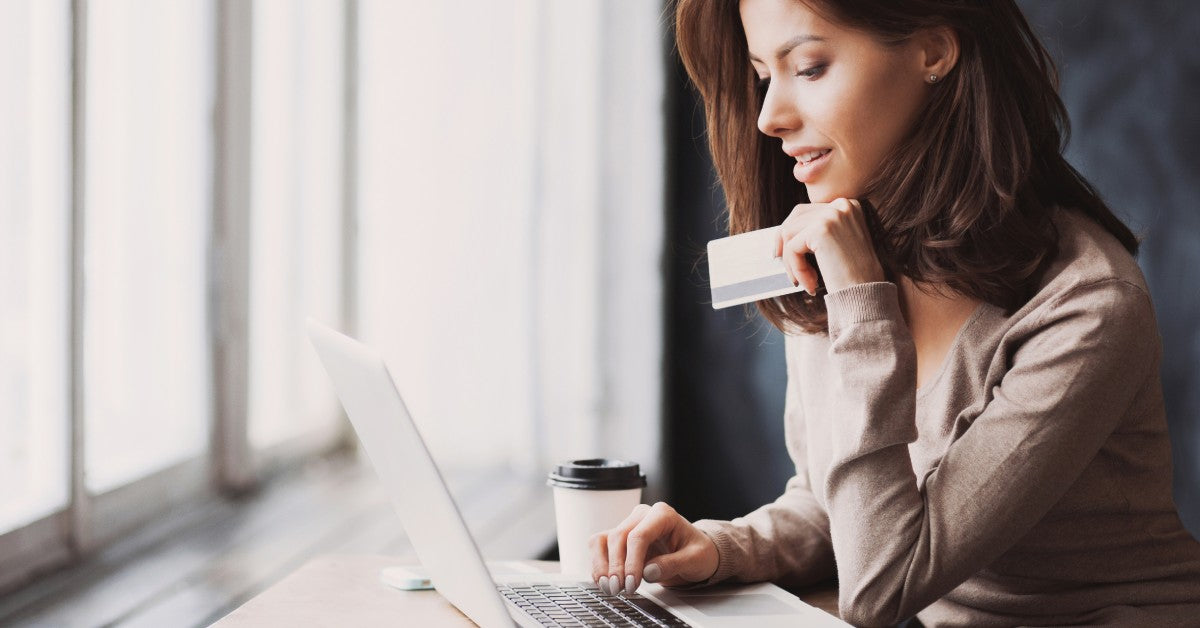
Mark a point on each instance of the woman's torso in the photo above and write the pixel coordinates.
(1114, 540)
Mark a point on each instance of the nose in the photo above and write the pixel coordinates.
(778, 115)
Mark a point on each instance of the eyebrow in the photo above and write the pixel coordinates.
(790, 45)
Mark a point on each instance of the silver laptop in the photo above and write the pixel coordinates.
(449, 553)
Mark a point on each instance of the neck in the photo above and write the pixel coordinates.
(932, 306)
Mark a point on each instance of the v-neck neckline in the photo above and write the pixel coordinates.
(950, 353)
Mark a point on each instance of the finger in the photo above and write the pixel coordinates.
(665, 569)
(852, 209)
(777, 242)
(661, 570)
(798, 250)
(598, 546)
(616, 560)
(860, 218)
(669, 569)
(635, 517)
(659, 523)
(616, 547)
(786, 230)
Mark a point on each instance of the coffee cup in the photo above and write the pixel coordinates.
(591, 496)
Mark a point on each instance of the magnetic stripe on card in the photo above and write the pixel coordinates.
(751, 287)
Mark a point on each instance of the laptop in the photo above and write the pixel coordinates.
(443, 544)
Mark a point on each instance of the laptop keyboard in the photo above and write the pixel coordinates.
(576, 605)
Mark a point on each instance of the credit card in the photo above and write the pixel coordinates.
(743, 268)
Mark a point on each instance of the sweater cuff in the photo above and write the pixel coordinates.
(873, 301)
(717, 531)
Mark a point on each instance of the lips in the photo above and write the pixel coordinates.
(809, 163)
(811, 155)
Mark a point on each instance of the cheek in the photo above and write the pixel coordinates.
(848, 117)
(874, 116)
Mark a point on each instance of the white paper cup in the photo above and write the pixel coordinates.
(591, 496)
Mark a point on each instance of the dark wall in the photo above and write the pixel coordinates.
(725, 374)
(1131, 82)
(724, 369)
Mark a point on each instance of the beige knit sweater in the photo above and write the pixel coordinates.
(1029, 483)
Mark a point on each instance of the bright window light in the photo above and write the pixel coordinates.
(296, 212)
(147, 204)
(34, 259)
(447, 169)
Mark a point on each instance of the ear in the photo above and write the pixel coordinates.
(937, 51)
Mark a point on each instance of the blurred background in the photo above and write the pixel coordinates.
(510, 198)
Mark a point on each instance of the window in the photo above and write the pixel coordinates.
(121, 307)
(447, 168)
(296, 213)
(34, 263)
(510, 206)
(145, 221)
(180, 184)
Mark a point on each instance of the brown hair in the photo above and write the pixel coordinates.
(963, 202)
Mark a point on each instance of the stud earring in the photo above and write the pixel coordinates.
(933, 78)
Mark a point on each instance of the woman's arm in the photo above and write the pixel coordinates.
(1067, 387)
(786, 541)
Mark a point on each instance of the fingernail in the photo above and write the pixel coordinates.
(651, 573)
(604, 584)
(629, 584)
(612, 585)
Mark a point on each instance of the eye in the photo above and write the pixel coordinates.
(813, 72)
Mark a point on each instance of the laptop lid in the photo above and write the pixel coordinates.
(395, 448)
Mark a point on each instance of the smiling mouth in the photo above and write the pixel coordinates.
(808, 158)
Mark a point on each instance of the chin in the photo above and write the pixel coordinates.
(818, 194)
(823, 194)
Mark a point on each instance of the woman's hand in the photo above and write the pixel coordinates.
(836, 234)
(655, 543)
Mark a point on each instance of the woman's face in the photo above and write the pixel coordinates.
(838, 99)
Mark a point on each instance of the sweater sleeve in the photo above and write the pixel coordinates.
(1067, 386)
(786, 541)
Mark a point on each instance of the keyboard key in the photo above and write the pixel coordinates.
(574, 606)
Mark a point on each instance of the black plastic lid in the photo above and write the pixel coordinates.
(597, 474)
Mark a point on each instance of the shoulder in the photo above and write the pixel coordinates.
(1088, 256)
(1093, 286)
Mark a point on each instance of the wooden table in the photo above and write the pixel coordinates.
(337, 590)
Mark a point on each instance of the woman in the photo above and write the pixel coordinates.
(974, 404)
